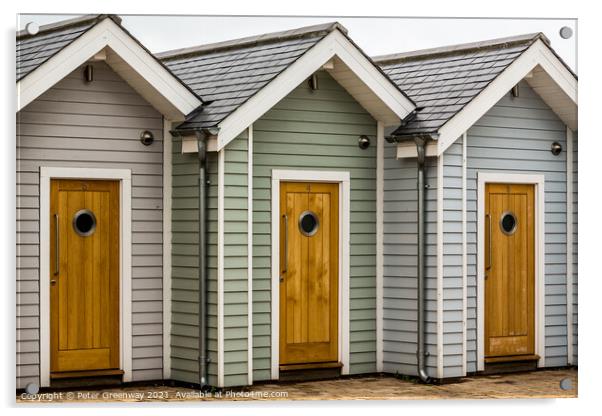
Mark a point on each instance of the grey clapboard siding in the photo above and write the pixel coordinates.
(453, 296)
(319, 131)
(185, 263)
(92, 125)
(400, 262)
(515, 135)
(575, 246)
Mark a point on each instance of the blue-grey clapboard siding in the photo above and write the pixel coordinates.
(453, 295)
(515, 136)
(575, 244)
(98, 125)
(235, 262)
(317, 130)
(185, 262)
(400, 262)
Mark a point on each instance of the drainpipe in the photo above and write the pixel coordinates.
(421, 153)
(203, 358)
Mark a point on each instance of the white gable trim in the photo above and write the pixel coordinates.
(334, 44)
(537, 54)
(154, 82)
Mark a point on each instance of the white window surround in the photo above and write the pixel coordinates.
(484, 177)
(125, 55)
(125, 261)
(343, 179)
(373, 90)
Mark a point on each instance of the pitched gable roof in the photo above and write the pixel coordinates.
(241, 79)
(59, 48)
(34, 50)
(227, 74)
(442, 81)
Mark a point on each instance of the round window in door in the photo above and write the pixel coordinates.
(84, 222)
(308, 223)
(508, 223)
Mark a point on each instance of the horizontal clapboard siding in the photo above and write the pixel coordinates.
(575, 247)
(185, 266)
(400, 264)
(317, 130)
(235, 262)
(515, 136)
(453, 296)
(94, 125)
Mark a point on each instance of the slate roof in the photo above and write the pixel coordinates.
(442, 81)
(227, 74)
(34, 50)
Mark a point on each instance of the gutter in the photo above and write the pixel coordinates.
(420, 142)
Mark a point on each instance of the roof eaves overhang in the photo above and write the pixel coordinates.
(334, 45)
(538, 55)
(132, 61)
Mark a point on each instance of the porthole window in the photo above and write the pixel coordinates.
(308, 223)
(508, 223)
(84, 222)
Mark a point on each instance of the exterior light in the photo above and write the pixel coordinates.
(515, 91)
(147, 138)
(313, 82)
(363, 142)
(556, 148)
(88, 73)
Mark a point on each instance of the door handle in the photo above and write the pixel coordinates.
(488, 265)
(285, 217)
(56, 245)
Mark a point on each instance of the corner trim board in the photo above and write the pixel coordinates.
(380, 155)
(484, 177)
(439, 292)
(220, 267)
(250, 256)
(125, 261)
(569, 245)
(167, 192)
(464, 255)
(343, 178)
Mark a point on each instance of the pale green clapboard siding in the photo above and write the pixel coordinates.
(185, 286)
(317, 130)
(235, 262)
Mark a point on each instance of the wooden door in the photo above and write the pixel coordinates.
(84, 275)
(309, 272)
(509, 271)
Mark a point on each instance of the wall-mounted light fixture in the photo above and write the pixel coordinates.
(313, 82)
(556, 148)
(147, 138)
(515, 91)
(363, 142)
(88, 73)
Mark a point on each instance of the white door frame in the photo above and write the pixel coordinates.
(125, 261)
(517, 178)
(343, 179)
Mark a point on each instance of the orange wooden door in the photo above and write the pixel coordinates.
(509, 270)
(309, 267)
(84, 275)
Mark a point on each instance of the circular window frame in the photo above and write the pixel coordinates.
(316, 219)
(76, 217)
(514, 228)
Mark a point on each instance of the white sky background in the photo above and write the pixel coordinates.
(376, 36)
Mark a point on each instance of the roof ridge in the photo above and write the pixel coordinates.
(305, 31)
(461, 47)
(62, 24)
